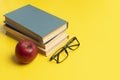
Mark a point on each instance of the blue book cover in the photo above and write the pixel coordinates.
(36, 23)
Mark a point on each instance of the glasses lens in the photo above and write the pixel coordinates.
(60, 55)
(73, 43)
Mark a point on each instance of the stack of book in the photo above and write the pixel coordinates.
(44, 29)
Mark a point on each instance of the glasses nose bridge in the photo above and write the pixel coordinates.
(65, 49)
(66, 46)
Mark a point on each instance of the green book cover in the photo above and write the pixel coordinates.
(31, 20)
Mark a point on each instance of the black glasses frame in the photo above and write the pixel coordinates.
(56, 55)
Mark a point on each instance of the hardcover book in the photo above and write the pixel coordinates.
(23, 36)
(36, 23)
(53, 46)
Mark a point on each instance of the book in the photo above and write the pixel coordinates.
(50, 49)
(19, 34)
(36, 23)
(57, 45)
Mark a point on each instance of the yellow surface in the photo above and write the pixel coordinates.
(96, 23)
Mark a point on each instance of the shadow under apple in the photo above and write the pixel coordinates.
(15, 61)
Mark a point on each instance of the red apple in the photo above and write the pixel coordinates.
(25, 51)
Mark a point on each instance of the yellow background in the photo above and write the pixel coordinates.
(96, 23)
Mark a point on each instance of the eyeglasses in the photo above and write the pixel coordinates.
(61, 54)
